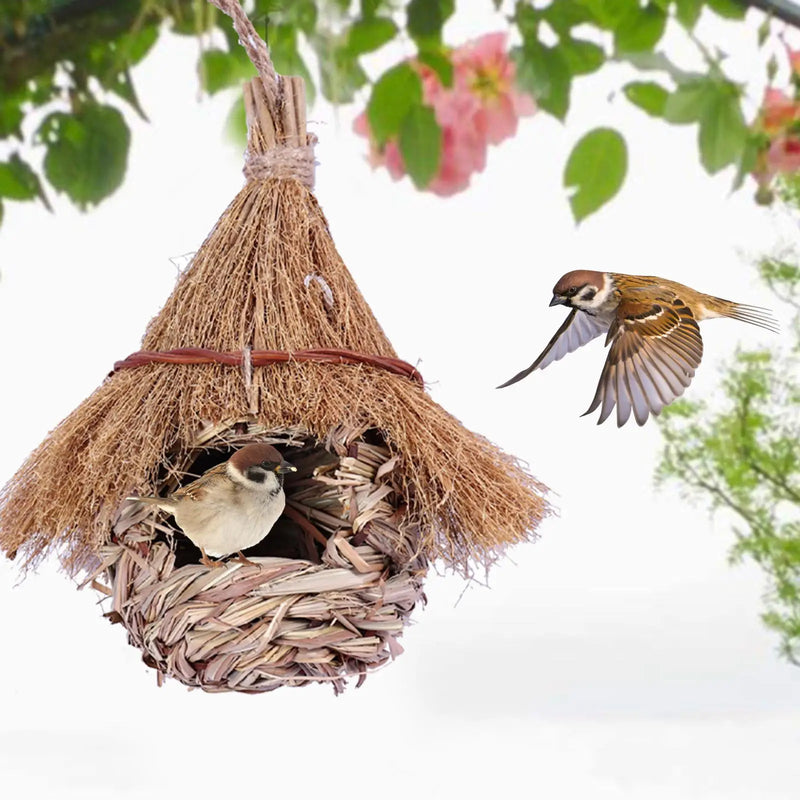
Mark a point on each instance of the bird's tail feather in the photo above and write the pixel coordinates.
(755, 315)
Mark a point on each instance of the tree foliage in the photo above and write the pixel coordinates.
(66, 65)
(743, 457)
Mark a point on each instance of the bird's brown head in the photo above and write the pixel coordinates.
(578, 289)
(256, 461)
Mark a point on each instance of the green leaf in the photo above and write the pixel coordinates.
(440, 63)
(687, 12)
(747, 161)
(340, 73)
(582, 57)
(17, 180)
(595, 170)
(609, 13)
(715, 104)
(369, 8)
(87, 152)
(43, 89)
(301, 14)
(528, 19)
(110, 64)
(723, 131)
(287, 59)
(367, 35)
(122, 85)
(11, 116)
(340, 84)
(426, 19)
(236, 124)
(543, 72)
(650, 97)
(135, 45)
(687, 103)
(220, 70)
(420, 143)
(764, 30)
(731, 9)
(658, 62)
(393, 96)
(561, 15)
(640, 30)
(192, 19)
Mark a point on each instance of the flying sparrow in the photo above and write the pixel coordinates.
(651, 325)
(233, 505)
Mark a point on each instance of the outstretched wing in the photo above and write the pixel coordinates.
(655, 350)
(578, 329)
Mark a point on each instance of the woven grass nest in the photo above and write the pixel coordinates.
(387, 480)
(325, 594)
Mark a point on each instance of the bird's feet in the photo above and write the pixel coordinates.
(243, 559)
(209, 562)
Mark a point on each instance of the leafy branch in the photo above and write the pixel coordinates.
(745, 458)
(67, 65)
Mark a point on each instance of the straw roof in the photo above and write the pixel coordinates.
(268, 277)
(247, 287)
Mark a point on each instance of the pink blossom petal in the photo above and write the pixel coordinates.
(361, 125)
(778, 111)
(784, 154)
(500, 119)
(394, 160)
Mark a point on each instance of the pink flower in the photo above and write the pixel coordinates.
(778, 111)
(784, 154)
(464, 141)
(481, 107)
(484, 69)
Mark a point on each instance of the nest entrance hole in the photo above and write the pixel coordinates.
(288, 538)
(343, 489)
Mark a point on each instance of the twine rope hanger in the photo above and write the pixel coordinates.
(272, 154)
(290, 154)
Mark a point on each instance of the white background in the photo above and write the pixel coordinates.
(618, 657)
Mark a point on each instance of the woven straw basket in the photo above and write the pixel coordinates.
(334, 609)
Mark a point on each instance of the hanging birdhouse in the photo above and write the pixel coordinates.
(266, 338)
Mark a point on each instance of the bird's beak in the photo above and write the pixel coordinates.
(285, 467)
(557, 300)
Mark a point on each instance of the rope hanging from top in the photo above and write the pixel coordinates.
(278, 145)
(256, 49)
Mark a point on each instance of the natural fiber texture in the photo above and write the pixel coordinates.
(277, 621)
(256, 49)
(246, 287)
(282, 162)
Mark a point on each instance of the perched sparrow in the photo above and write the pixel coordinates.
(653, 332)
(233, 505)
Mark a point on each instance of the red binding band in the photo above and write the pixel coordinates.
(261, 358)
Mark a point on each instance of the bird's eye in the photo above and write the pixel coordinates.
(571, 292)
